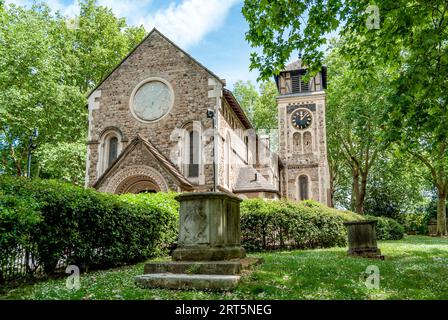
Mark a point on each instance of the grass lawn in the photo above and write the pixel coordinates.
(415, 268)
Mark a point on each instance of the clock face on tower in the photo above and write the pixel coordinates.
(152, 101)
(301, 119)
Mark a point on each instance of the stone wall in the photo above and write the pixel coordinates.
(230, 126)
(139, 162)
(109, 103)
(312, 163)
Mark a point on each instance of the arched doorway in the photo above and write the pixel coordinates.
(303, 184)
(136, 179)
(138, 184)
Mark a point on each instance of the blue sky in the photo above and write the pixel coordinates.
(212, 31)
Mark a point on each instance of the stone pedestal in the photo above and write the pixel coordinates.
(362, 239)
(209, 253)
(209, 227)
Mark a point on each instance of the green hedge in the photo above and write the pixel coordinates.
(416, 223)
(268, 225)
(387, 228)
(57, 222)
(60, 222)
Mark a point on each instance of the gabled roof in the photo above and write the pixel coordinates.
(162, 160)
(228, 95)
(250, 180)
(154, 30)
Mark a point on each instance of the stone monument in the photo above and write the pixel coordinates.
(209, 253)
(362, 239)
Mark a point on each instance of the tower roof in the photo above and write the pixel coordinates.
(296, 65)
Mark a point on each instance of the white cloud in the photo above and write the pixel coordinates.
(18, 2)
(71, 9)
(190, 21)
(132, 10)
(186, 23)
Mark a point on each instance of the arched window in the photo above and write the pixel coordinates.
(110, 148)
(113, 150)
(297, 143)
(307, 142)
(303, 188)
(191, 152)
(227, 160)
(193, 163)
(246, 143)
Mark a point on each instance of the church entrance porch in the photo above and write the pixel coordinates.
(138, 184)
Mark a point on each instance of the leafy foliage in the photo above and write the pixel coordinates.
(292, 275)
(261, 107)
(47, 68)
(34, 93)
(83, 227)
(356, 101)
(387, 228)
(280, 224)
(410, 42)
(63, 161)
(396, 187)
(416, 223)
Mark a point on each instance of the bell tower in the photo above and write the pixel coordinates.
(302, 134)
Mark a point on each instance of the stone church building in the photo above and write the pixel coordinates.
(162, 121)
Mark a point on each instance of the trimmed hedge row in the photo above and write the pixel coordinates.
(387, 228)
(54, 223)
(268, 225)
(416, 223)
(59, 222)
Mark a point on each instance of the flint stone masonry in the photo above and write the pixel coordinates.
(195, 90)
(155, 57)
(312, 163)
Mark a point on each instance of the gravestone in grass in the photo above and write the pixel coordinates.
(362, 239)
(209, 253)
(432, 227)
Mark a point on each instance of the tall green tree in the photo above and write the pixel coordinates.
(265, 109)
(411, 34)
(355, 110)
(247, 95)
(35, 92)
(260, 106)
(101, 40)
(396, 186)
(63, 161)
(45, 76)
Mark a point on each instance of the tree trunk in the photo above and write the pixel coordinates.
(331, 200)
(441, 215)
(358, 193)
(16, 161)
(355, 190)
(359, 205)
(362, 194)
(18, 168)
